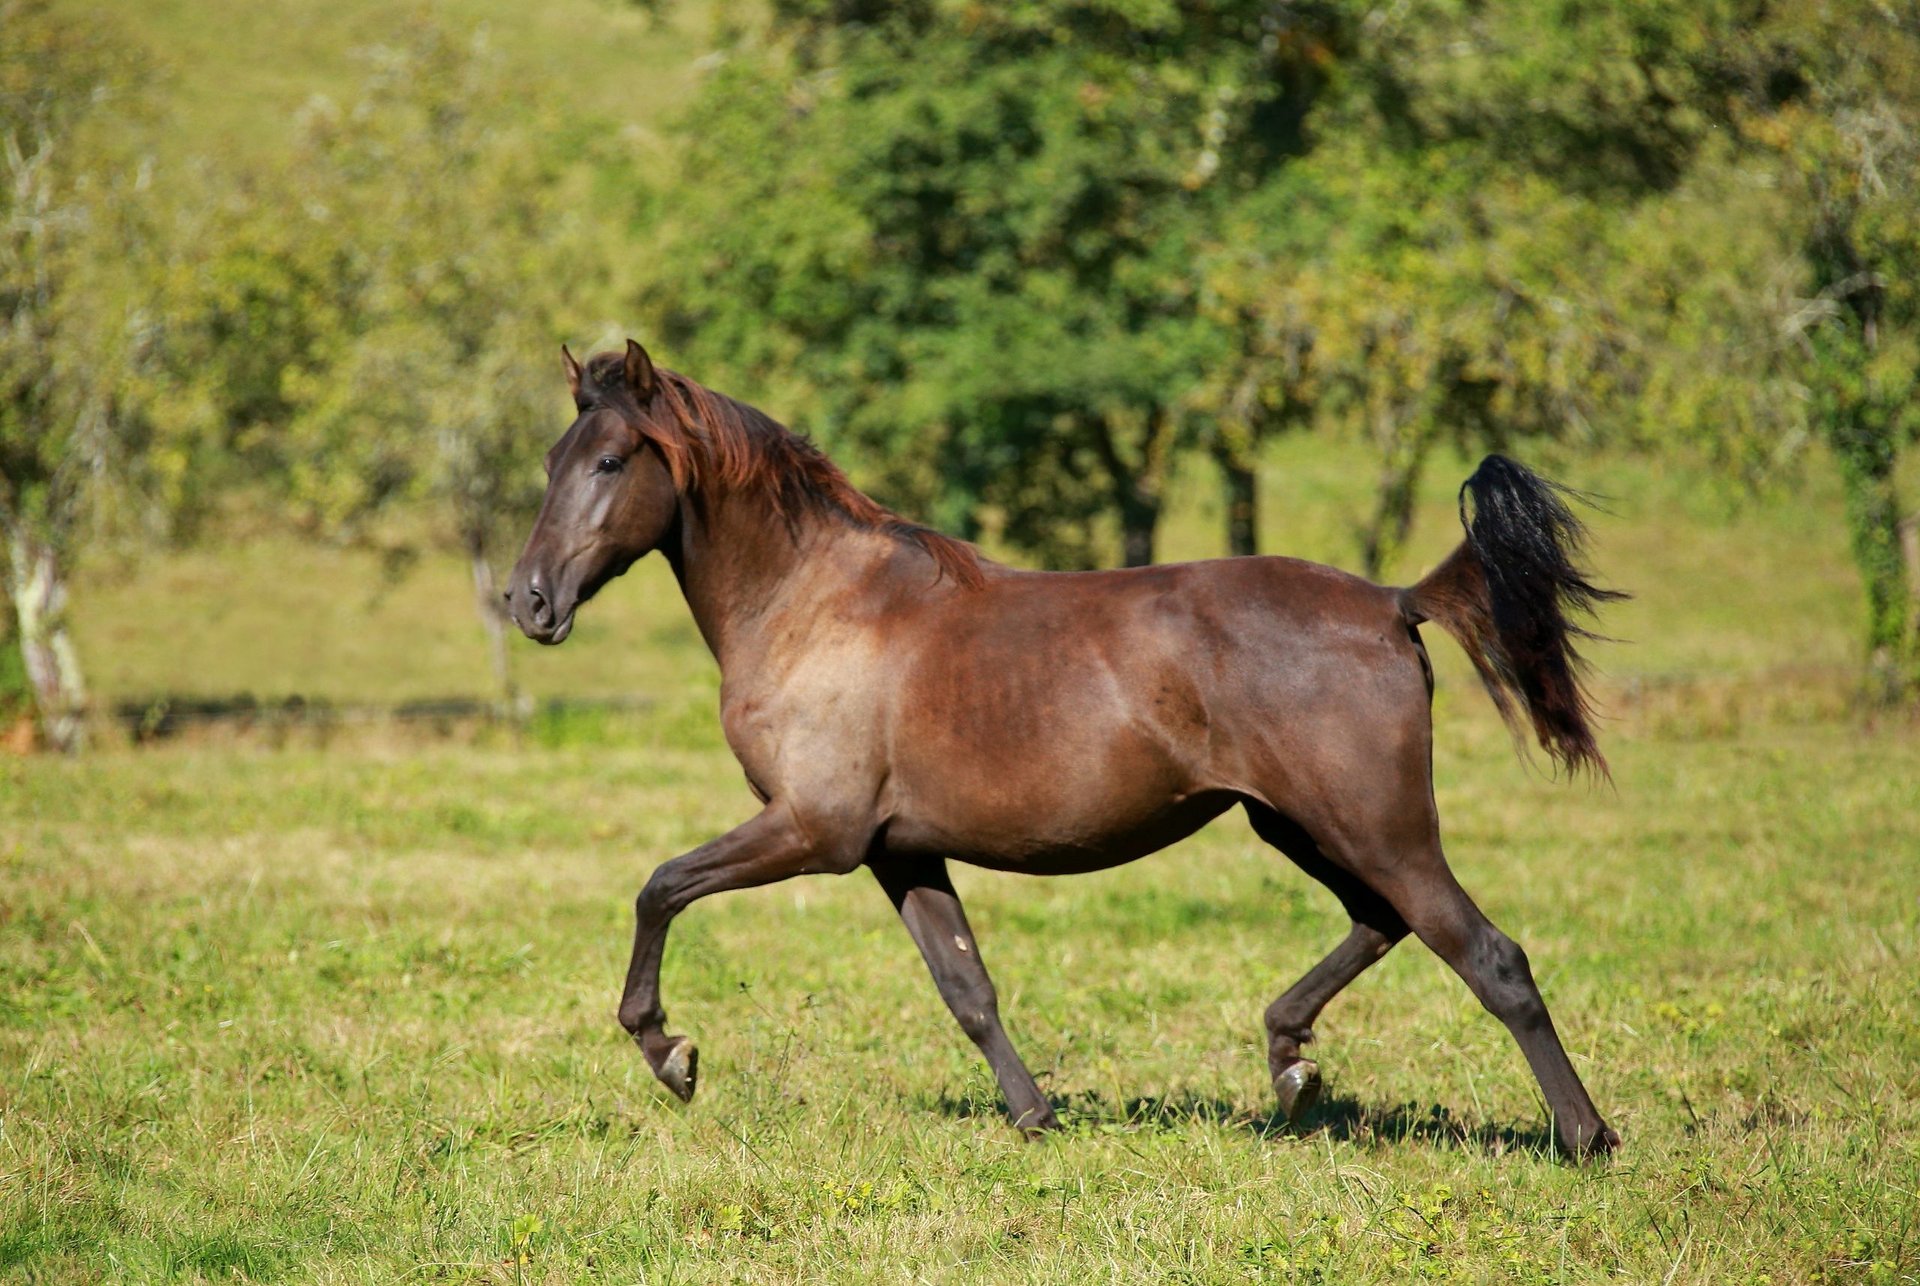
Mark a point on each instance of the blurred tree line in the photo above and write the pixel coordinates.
(1017, 258)
(360, 342)
(1012, 262)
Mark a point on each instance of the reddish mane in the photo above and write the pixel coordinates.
(710, 440)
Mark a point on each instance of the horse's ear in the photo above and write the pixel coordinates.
(639, 372)
(573, 372)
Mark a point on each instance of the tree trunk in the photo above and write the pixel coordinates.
(39, 592)
(1385, 534)
(1242, 487)
(1868, 457)
(1139, 516)
(493, 618)
(1136, 489)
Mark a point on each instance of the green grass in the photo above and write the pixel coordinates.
(347, 1016)
(344, 1013)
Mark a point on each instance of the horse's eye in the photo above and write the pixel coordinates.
(608, 464)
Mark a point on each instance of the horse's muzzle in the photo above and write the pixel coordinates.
(533, 611)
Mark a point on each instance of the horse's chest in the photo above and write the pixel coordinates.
(801, 731)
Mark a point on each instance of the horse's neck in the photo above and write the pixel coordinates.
(739, 563)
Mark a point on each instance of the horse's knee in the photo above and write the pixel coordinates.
(660, 897)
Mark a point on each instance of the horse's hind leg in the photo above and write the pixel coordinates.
(1289, 1020)
(1494, 967)
(1390, 845)
(1384, 860)
(923, 895)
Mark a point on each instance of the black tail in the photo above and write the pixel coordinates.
(1506, 596)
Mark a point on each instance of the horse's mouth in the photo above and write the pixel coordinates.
(535, 602)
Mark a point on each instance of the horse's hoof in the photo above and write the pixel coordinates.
(1298, 1088)
(1589, 1149)
(679, 1071)
(1034, 1126)
(1602, 1145)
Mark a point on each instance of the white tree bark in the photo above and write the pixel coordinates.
(39, 593)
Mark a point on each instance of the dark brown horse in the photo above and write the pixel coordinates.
(899, 702)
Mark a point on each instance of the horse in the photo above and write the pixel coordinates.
(898, 701)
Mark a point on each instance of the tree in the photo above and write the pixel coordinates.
(1780, 282)
(1261, 389)
(1024, 256)
(1851, 150)
(1449, 305)
(71, 336)
(377, 330)
(1432, 266)
(960, 240)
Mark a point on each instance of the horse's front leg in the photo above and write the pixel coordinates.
(923, 894)
(770, 848)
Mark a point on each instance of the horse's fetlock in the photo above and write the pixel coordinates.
(1283, 1025)
(636, 1019)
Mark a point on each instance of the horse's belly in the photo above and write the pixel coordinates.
(1032, 825)
(1059, 760)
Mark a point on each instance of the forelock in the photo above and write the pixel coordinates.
(607, 372)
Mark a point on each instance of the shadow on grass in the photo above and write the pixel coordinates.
(1341, 1118)
(1347, 1120)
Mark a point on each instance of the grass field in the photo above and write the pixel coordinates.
(344, 1013)
(339, 1007)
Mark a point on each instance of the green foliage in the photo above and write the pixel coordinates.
(72, 337)
(369, 325)
(375, 331)
(1433, 267)
(47, 82)
(73, 321)
(1018, 259)
(1822, 308)
(1854, 153)
(1429, 303)
(959, 240)
(1022, 257)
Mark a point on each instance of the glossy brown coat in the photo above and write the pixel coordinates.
(898, 701)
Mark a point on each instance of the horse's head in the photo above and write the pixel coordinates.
(611, 495)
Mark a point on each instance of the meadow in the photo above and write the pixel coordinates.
(338, 1005)
(333, 1000)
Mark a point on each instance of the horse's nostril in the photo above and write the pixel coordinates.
(542, 610)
